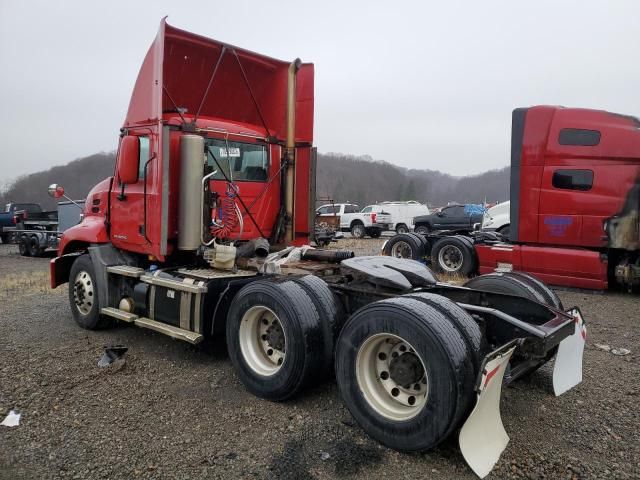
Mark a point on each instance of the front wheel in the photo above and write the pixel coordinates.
(404, 372)
(83, 295)
(422, 230)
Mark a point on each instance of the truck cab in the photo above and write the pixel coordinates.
(575, 198)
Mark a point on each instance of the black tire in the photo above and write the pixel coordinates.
(303, 337)
(91, 319)
(448, 367)
(505, 231)
(23, 246)
(504, 283)
(402, 228)
(422, 229)
(458, 256)
(550, 297)
(522, 285)
(404, 245)
(374, 232)
(426, 243)
(358, 230)
(460, 319)
(474, 257)
(34, 246)
(331, 311)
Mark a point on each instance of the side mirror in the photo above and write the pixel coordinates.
(55, 190)
(128, 159)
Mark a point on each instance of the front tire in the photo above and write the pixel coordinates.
(422, 230)
(404, 372)
(83, 295)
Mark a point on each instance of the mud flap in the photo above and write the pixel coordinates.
(483, 437)
(567, 370)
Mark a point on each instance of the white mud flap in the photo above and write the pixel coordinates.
(483, 437)
(567, 371)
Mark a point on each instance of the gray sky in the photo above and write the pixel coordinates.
(419, 84)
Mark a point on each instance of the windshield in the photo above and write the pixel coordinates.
(240, 161)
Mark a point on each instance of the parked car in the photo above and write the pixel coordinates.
(7, 224)
(403, 213)
(497, 218)
(372, 221)
(453, 217)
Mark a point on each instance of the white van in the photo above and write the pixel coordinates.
(402, 214)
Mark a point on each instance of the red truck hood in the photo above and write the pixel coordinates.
(177, 72)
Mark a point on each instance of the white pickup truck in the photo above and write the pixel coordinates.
(372, 221)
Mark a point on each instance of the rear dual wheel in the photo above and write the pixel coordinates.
(406, 245)
(454, 255)
(413, 372)
(280, 335)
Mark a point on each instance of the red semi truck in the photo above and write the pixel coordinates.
(197, 235)
(575, 198)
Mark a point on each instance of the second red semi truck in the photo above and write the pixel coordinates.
(575, 203)
(201, 231)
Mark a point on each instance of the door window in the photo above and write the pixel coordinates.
(573, 179)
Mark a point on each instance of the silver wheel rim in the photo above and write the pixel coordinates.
(401, 249)
(83, 292)
(378, 364)
(262, 340)
(358, 231)
(450, 258)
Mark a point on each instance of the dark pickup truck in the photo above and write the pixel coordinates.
(7, 224)
(453, 217)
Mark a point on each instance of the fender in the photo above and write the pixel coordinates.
(92, 230)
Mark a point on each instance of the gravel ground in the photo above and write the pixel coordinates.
(172, 410)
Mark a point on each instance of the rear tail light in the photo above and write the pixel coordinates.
(14, 219)
(373, 218)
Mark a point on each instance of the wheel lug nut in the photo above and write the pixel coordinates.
(384, 375)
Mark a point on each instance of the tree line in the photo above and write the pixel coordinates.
(342, 178)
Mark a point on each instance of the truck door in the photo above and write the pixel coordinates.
(454, 217)
(127, 204)
(565, 200)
